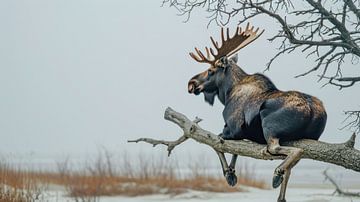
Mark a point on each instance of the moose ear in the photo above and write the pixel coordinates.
(210, 97)
(234, 58)
(222, 62)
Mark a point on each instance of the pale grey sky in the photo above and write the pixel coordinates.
(76, 75)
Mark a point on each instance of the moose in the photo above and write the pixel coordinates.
(254, 108)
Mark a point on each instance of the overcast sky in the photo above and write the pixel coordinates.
(76, 75)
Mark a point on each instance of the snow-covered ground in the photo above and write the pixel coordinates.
(251, 195)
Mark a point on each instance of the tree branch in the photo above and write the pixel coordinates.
(349, 81)
(342, 154)
(353, 8)
(352, 121)
(337, 187)
(170, 144)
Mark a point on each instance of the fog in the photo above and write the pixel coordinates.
(79, 75)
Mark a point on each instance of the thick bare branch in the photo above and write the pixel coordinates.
(342, 154)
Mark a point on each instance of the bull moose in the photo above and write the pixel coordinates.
(254, 108)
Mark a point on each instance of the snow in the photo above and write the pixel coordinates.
(251, 195)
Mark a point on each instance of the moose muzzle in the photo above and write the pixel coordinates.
(194, 87)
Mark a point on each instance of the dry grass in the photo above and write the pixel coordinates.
(19, 186)
(247, 176)
(101, 177)
(148, 175)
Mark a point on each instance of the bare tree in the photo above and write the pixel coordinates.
(330, 32)
(327, 30)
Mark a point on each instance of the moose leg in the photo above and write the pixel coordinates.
(281, 197)
(293, 155)
(233, 161)
(231, 177)
(224, 164)
(229, 172)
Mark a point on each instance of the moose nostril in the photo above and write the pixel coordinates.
(191, 88)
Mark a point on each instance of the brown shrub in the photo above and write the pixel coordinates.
(102, 177)
(18, 186)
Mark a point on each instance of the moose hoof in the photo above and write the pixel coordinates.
(278, 178)
(231, 177)
(281, 200)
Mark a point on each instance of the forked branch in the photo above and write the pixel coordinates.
(342, 154)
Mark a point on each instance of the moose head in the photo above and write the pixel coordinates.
(208, 82)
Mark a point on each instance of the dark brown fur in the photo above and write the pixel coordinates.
(256, 110)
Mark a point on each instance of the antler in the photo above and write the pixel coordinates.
(229, 46)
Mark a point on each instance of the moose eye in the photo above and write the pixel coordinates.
(210, 72)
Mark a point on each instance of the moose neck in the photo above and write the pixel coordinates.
(233, 75)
